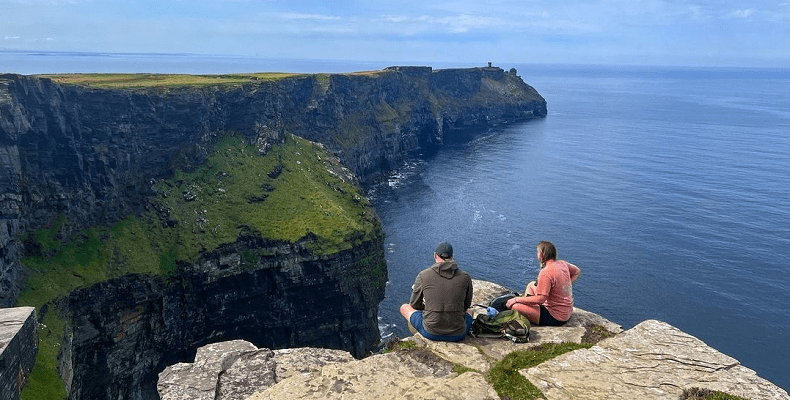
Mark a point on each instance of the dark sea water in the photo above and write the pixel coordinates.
(669, 187)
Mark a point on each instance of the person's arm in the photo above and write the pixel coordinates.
(541, 292)
(416, 301)
(537, 299)
(469, 294)
(574, 271)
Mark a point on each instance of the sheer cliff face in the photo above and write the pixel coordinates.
(94, 156)
(127, 330)
(90, 153)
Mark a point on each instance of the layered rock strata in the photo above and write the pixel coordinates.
(18, 348)
(127, 329)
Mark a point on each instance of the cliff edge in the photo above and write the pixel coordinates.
(89, 146)
(18, 349)
(652, 360)
(147, 215)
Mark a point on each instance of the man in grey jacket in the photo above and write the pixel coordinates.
(440, 296)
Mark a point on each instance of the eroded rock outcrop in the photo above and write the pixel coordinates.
(237, 369)
(650, 361)
(127, 329)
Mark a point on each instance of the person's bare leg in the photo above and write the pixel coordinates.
(531, 287)
(406, 310)
(532, 312)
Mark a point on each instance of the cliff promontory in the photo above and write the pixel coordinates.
(587, 358)
(144, 220)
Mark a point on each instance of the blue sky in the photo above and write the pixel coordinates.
(651, 32)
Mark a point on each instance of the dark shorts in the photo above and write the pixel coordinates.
(546, 319)
(416, 321)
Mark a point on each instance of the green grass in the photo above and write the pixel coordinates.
(460, 369)
(146, 81)
(509, 383)
(94, 255)
(707, 394)
(141, 81)
(235, 192)
(44, 382)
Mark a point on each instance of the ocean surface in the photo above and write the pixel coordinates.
(668, 187)
(62, 62)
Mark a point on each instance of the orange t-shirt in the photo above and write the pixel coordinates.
(554, 282)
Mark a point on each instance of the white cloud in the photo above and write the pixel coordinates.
(411, 25)
(741, 13)
(514, 29)
(464, 22)
(305, 17)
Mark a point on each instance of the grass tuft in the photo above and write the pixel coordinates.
(509, 383)
(707, 394)
(460, 369)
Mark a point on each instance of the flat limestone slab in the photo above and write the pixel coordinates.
(653, 360)
(199, 380)
(236, 369)
(391, 376)
(12, 320)
(480, 353)
(427, 373)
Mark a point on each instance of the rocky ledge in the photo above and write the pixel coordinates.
(652, 360)
(18, 348)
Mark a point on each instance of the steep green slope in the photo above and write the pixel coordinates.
(296, 189)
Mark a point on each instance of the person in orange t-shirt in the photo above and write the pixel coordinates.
(549, 301)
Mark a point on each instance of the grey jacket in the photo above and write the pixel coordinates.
(444, 293)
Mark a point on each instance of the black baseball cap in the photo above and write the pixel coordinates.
(444, 250)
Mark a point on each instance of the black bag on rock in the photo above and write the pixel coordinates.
(499, 302)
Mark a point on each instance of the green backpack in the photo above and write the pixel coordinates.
(509, 324)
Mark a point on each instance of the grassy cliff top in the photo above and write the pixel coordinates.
(144, 81)
(137, 81)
